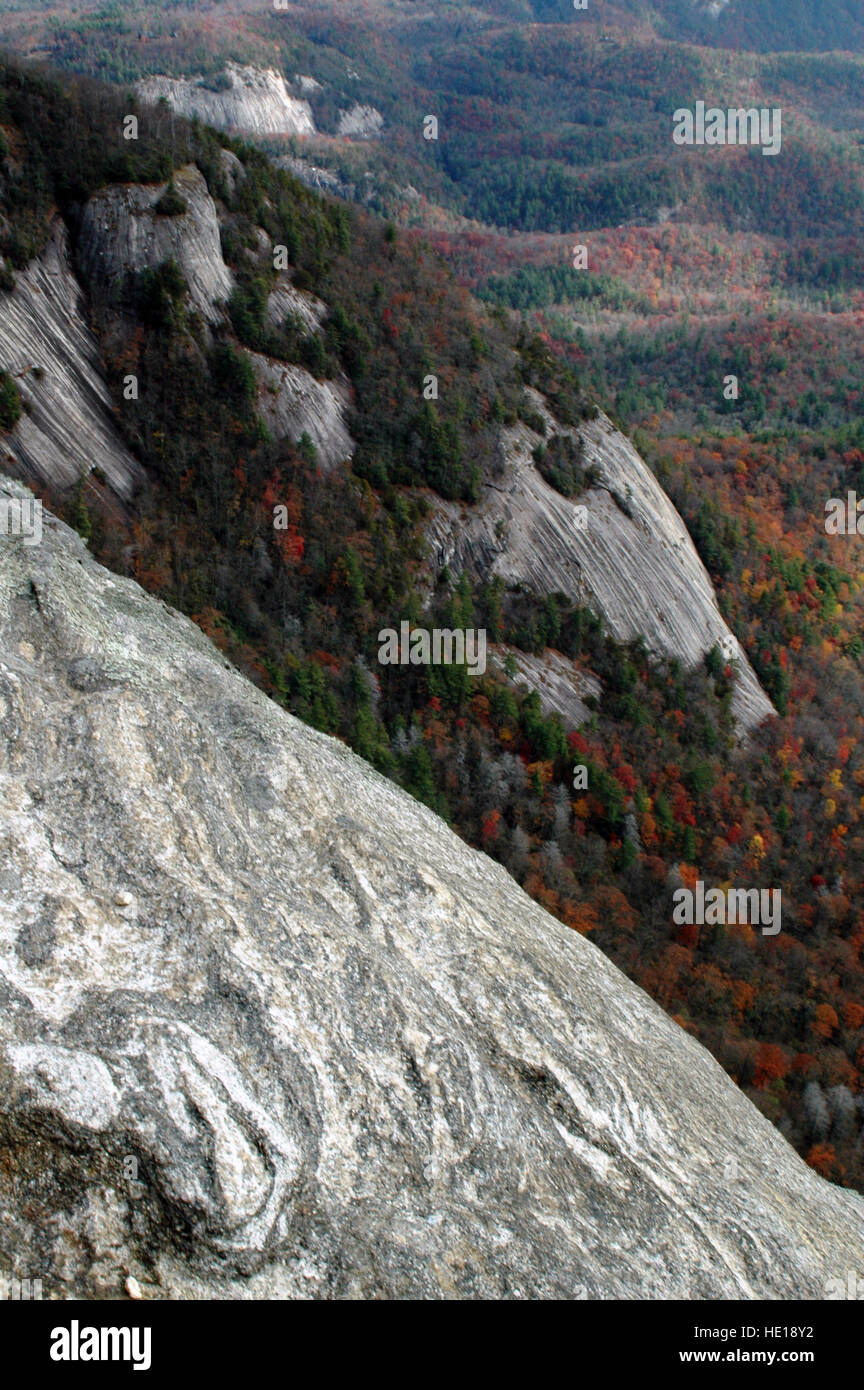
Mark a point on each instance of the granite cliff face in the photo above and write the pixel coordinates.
(292, 403)
(68, 427)
(562, 686)
(123, 233)
(269, 1029)
(285, 300)
(322, 180)
(254, 101)
(358, 120)
(633, 561)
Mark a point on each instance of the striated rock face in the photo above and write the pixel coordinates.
(291, 401)
(640, 571)
(561, 685)
(360, 120)
(233, 169)
(269, 1029)
(45, 342)
(284, 299)
(122, 234)
(253, 100)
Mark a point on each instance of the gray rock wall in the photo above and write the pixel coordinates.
(640, 571)
(358, 120)
(122, 234)
(291, 402)
(255, 101)
(45, 341)
(348, 1055)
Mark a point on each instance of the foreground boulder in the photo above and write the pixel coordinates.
(269, 1029)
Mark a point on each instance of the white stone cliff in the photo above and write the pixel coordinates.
(640, 571)
(45, 342)
(254, 101)
(122, 234)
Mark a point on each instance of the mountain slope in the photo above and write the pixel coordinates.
(666, 791)
(737, 24)
(123, 235)
(346, 1055)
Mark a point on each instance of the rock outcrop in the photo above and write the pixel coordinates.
(269, 1029)
(634, 562)
(291, 403)
(233, 170)
(314, 176)
(284, 300)
(122, 233)
(562, 686)
(360, 120)
(253, 101)
(68, 427)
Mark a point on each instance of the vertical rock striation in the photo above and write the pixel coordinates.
(122, 233)
(254, 101)
(67, 428)
(634, 562)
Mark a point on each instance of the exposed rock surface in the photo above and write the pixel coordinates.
(640, 571)
(254, 101)
(46, 343)
(347, 1054)
(122, 233)
(284, 299)
(233, 169)
(291, 402)
(314, 176)
(561, 685)
(360, 120)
